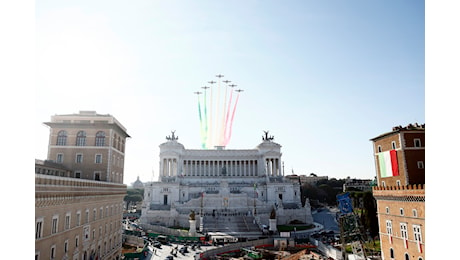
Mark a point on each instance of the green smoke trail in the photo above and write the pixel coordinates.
(205, 130)
(201, 124)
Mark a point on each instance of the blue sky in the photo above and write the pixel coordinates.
(323, 77)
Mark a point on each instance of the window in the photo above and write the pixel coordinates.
(401, 211)
(417, 233)
(379, 148)
(78, 220)
(389, 226)
(406, 256)
(98, 158)
(62, 138)
(417, 143)
(403, 227)
(87, 216)
(37, 255)
(77, 240)
(53, 251)
(67, 221)
(392, 253)
(94, 214)
(414, 213)
(78, 174)
(114, 141)
(86, 233)
(387, 209)
(100, 138)
(79, 158)
(398, 183)
(54, 224)
(81, 138)
(393, 145)
(420, 165)
(383, 183)
(39, 228)
(97, 176)
(66, 246)
(100, 213)
(60, 158)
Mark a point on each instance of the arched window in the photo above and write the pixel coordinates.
(81, 138)
(100, 138)
(62, 138)
(406, 256)
(392, 253)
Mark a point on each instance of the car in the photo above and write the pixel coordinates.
(169, 257)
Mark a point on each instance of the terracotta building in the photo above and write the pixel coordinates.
(79, 189)
(400, 191)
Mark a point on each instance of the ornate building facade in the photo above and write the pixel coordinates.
(236, 185)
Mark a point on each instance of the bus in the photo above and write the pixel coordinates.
(222, 238)
(162, 239)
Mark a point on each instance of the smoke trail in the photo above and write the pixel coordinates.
(226, 119)
(223, 126)
(216, 117)
(203, 137)
(211, 132)
(218, 134)
(205, 130)
(231, 121)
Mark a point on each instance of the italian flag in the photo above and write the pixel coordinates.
(388, 163)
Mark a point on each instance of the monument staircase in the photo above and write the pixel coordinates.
(235, 225)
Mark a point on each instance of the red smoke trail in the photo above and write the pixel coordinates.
(226, 139)
(231, 121)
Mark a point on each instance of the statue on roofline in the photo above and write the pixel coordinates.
(172, 137)
(267, 138)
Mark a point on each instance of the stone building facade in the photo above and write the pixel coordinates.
(400, 192)
(91, 144)
(79, 189)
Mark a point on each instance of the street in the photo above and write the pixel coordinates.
(165, 251)
(326, 217)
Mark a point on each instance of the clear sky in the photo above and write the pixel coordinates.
(323, 77)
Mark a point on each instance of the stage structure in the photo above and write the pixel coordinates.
(351, 230)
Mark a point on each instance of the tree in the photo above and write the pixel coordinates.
(133, 196)
(370, 213)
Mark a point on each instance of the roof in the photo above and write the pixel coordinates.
(399, 129)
